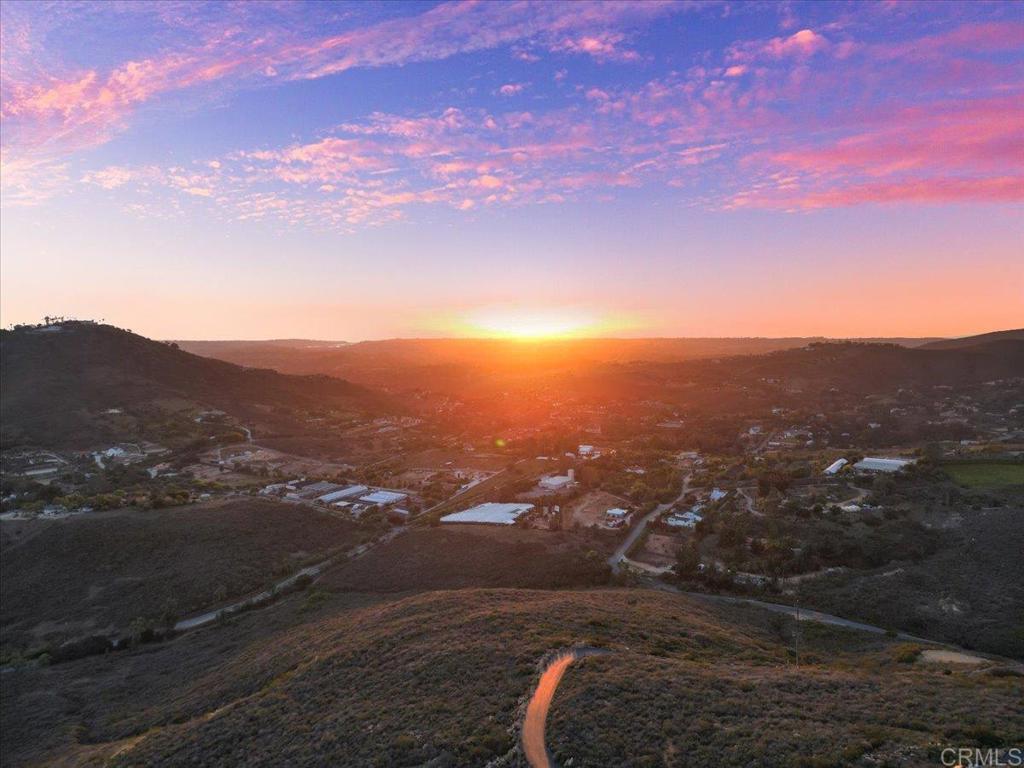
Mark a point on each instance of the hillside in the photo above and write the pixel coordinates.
(969, 342)
(56, 380)
(441, 678)
(965, 592)
(846, 367)
(461, 556)
(95, 574)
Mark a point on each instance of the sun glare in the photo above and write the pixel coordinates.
(531, 324)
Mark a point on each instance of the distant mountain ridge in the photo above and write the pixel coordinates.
(968, 342)
(444, 363)
(56, 378)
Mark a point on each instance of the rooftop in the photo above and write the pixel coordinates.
(875, 464)
(383, 497)
(344, 493)
(492, 512)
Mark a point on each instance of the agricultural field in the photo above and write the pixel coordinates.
(986, 474)
(96, 573)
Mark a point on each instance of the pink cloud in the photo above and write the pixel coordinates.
(947, 151)
(60, 112)
(603, 47)
(978, 135)
(801, 45)
(972, 37)
(1002, 189)
(511, 89)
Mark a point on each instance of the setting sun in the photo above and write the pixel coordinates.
(531, 324)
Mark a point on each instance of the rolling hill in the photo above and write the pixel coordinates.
(481, 367)
(846, 366)
(441, 679)
(472, 364)
(56, 379)
(68, 579)
(979, 341)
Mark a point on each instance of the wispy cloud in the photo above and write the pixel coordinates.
(822, 115)
(63, 109)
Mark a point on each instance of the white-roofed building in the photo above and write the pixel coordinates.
(875, 464)
(384, 498)
(835, 466)
(717, 493)
(344, 493)
(557, 482)
(616, 517)
(491, 513)
(687, 519)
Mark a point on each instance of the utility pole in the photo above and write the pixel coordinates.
(796, 629)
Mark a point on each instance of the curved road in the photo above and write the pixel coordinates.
(800, 614)
(619, 554)
(540, 702)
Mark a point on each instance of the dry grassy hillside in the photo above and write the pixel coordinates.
(55, 383)
(440, 679)
(456, 557)
(94, 574)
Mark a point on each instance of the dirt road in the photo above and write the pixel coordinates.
(534, 745)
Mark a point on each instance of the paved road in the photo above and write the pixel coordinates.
(803, 614)
(534, 746)
(211, 616)
(312, 571)
(619, 554)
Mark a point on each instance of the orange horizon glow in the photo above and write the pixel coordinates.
(524, 323)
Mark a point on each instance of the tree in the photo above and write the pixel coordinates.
(687, 561)
(883, 485)
(140, 630)
(933, 453)
(169, 614)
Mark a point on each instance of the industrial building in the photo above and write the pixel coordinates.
(835, 466)
(492, 513)
(558, 482)
(344, 493)
(384, 498)
(875, 464)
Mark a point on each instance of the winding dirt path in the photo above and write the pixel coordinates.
(534, 746)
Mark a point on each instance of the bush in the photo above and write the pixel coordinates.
(906, 654)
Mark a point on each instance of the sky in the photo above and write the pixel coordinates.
(374, 170)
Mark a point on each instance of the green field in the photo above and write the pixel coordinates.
(986, 474)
